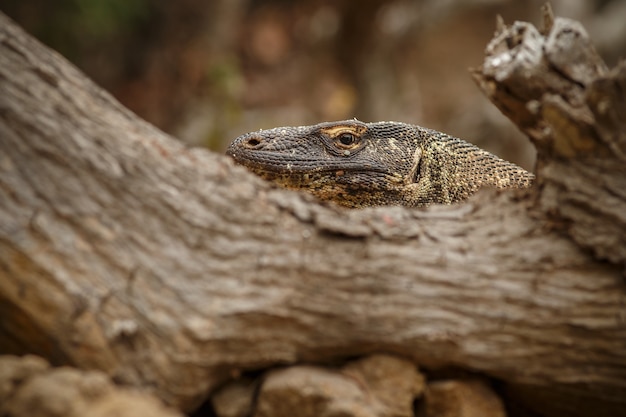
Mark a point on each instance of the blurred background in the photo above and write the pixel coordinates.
(208, 71)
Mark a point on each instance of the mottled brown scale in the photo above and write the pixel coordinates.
(358, 164)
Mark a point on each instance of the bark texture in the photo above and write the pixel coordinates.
(553, 85)
(173, 270)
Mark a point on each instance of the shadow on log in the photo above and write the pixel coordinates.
(172, 270)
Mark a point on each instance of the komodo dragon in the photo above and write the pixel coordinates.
(358, 164)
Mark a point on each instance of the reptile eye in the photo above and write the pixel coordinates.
(347, 139)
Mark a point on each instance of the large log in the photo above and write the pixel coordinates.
(171, 269)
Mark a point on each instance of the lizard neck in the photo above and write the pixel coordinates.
(451, 170)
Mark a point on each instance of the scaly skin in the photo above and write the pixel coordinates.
(358, 164)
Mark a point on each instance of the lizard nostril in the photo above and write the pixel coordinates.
(253, 142)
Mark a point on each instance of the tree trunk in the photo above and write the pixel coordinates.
(171, 269)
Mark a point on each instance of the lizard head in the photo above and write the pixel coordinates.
(358, 164)
(349, 162)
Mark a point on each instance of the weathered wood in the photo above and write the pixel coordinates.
(556, 88)
(172, 269)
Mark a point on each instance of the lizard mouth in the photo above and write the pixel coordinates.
(303, 176)
(270, 163)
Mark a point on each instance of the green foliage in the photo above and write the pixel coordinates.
(72, 26)
(106, 17)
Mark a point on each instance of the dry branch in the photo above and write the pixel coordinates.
(171, 269)
(556, 88)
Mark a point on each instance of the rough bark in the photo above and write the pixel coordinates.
(556, 88)
(171, 269)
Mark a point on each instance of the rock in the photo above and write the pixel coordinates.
(393, 381)
(376, 386)
(30, 387)
(309, 391)
(462, 398)
(15, 370)
(235, 398)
